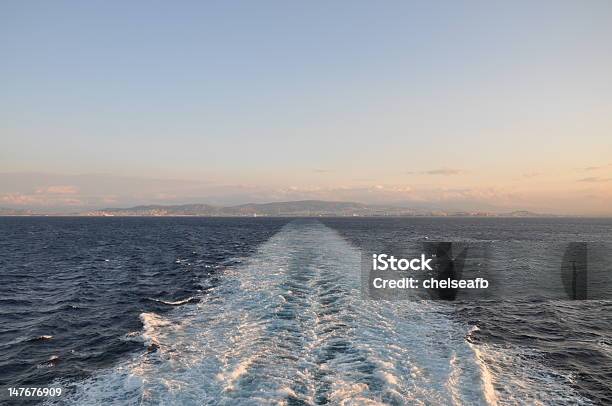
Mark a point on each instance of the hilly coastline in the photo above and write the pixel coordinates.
(303, 208)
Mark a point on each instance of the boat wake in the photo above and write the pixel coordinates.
(289, 326)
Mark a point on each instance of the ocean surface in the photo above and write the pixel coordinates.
(173, 311)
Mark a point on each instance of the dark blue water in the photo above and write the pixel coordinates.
(543, 345)
(71, 289)
(208, 311)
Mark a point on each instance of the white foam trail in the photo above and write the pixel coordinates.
(290, 324)
(173, 303)
(516, 377)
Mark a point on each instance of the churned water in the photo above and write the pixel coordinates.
(269, 311)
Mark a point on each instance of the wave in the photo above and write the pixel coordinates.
(289, 325)
(174, 303)
(519, 376)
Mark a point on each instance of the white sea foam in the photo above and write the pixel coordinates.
(173, 303)
(289, 323)
(514, 376)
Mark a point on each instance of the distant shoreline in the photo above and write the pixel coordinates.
(287, 209)
(569, 216)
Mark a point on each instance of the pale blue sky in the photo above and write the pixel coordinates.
(279, 95)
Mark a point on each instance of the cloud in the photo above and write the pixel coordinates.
(39, 199)
(594, 179)
(439, 172)
(595, 168)
(58, 190)
(61, 193)
(530, 175)
(45, 196)
(18, 199)
(165, 196)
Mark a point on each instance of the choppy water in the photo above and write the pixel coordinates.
(72, 289)
(531, 351)
(276, 316)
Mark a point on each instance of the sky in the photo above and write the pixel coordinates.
(475, 105)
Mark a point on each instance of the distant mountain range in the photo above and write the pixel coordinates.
(304, 208)
(279, 209)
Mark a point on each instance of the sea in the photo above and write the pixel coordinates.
(271, 311)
